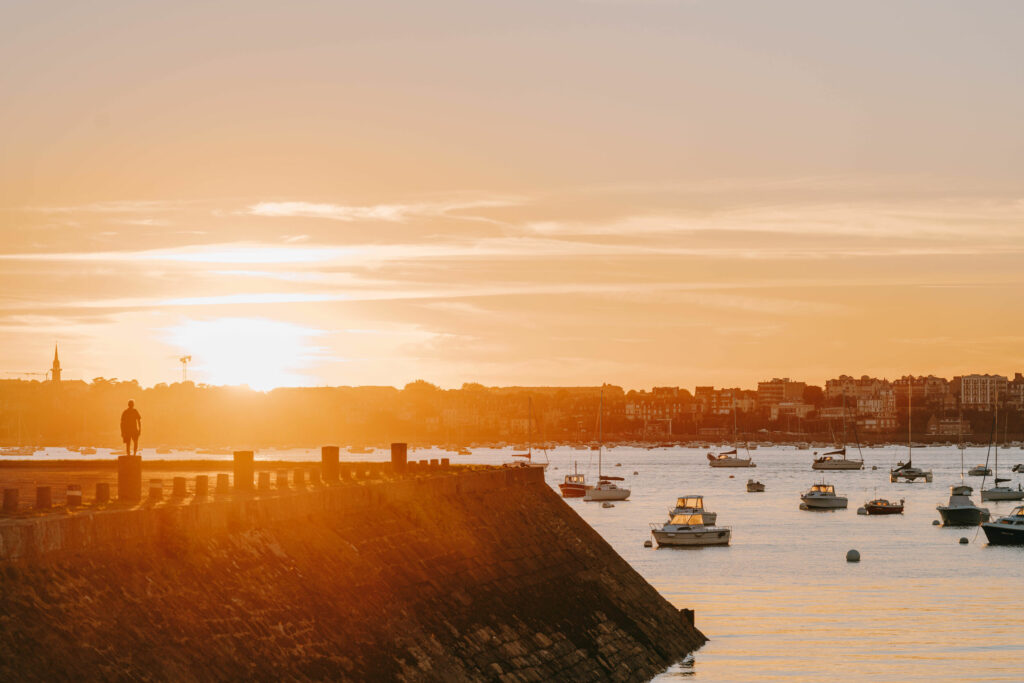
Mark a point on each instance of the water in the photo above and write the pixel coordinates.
(782, 603)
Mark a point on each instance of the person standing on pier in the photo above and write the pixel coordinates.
(131, 427)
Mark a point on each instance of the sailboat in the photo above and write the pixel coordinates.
(999, 492)
(528, 455)
(606, 488)
(730, 458)
(829, 461)
(907, 471)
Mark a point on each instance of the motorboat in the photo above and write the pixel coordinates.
(980, 471)
(881, 506)
(908, 472)
(689, 530)
(688, 505)
(754, 486)
(829, 461)
(1007, 530)
(823, 497)
(961, 510)
(575, 485)
(729, 459)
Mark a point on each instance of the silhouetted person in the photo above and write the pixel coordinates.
(131, 427)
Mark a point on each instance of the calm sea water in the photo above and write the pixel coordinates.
(782, 603)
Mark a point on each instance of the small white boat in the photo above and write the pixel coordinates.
(605, 489)
(828, 461)
(980, 471)
(1000, 492)
(689, 530)
(823, 497)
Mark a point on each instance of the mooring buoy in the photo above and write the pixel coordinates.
(852, 556)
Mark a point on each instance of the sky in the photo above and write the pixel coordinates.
(554, 192)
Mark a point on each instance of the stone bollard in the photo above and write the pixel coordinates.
(129, 478)
(434, 462)
(264, 481)
(156, 489)
(73, 498)
(314, 477)
(10, 500)
(282, 479)
(687, 614)
(299, 477)
(202, 486)
(178, 488)
(223, 483)
(399, 456)
(44, 498)
(329, 462)
(446, 462)
(243, 470)
(102, 494)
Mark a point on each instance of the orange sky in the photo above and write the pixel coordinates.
(640, 192)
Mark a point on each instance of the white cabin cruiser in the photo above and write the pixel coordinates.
(606, 489)
(961, 510)
(691, 505)
(823, 497)
(689, 530)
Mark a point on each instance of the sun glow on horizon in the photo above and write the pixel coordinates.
(258, 352)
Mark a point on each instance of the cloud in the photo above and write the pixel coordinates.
(395, 213)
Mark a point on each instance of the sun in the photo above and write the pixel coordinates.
(257, 352)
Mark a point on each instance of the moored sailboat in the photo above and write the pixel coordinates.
(605, 488)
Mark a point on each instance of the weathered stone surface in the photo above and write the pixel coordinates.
(468, 576)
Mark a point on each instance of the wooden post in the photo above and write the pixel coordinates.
(329, 463)
(243, 470)
(264, 478)
(399, 456)
(178, 488)
(44, 498)
(223, 483)
(10, 500)
(73, 498)
(156, 489)
(202, 486)
(102, 494)
(129, 478)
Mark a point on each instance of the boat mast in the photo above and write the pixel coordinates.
(959, 434)
(529, 428)
(995, 440)
(600, 432)
(844, 424)
(910, 412)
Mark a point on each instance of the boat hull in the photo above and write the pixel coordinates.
(1003, 534)
(838, 465)
(957, 516)
(836, 503)
(1002, 493)
(692, 538)
(884, 509)
(731, 463)
(606, 494)
(573, 490)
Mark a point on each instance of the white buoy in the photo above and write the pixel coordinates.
(936, 522)
(648, 544)
(963, 540)
(862, 511)
(852, 556)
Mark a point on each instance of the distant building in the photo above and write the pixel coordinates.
(788, 409)
(55, 370)
(881, 424)
(948, 426)
(777, 391)
(981, 391)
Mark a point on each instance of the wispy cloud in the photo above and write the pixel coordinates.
(395, 213)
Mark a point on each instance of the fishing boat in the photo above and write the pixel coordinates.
(881, 506)
(689, 530)
(754, 486)
(961, 510)
(823, 497)
(1007, 530)
(906, 471)
(999, 491)
(575, 484)
(688, 505)
(830, 461)
(605, 488)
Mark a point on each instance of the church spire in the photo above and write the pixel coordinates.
(55, 370)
